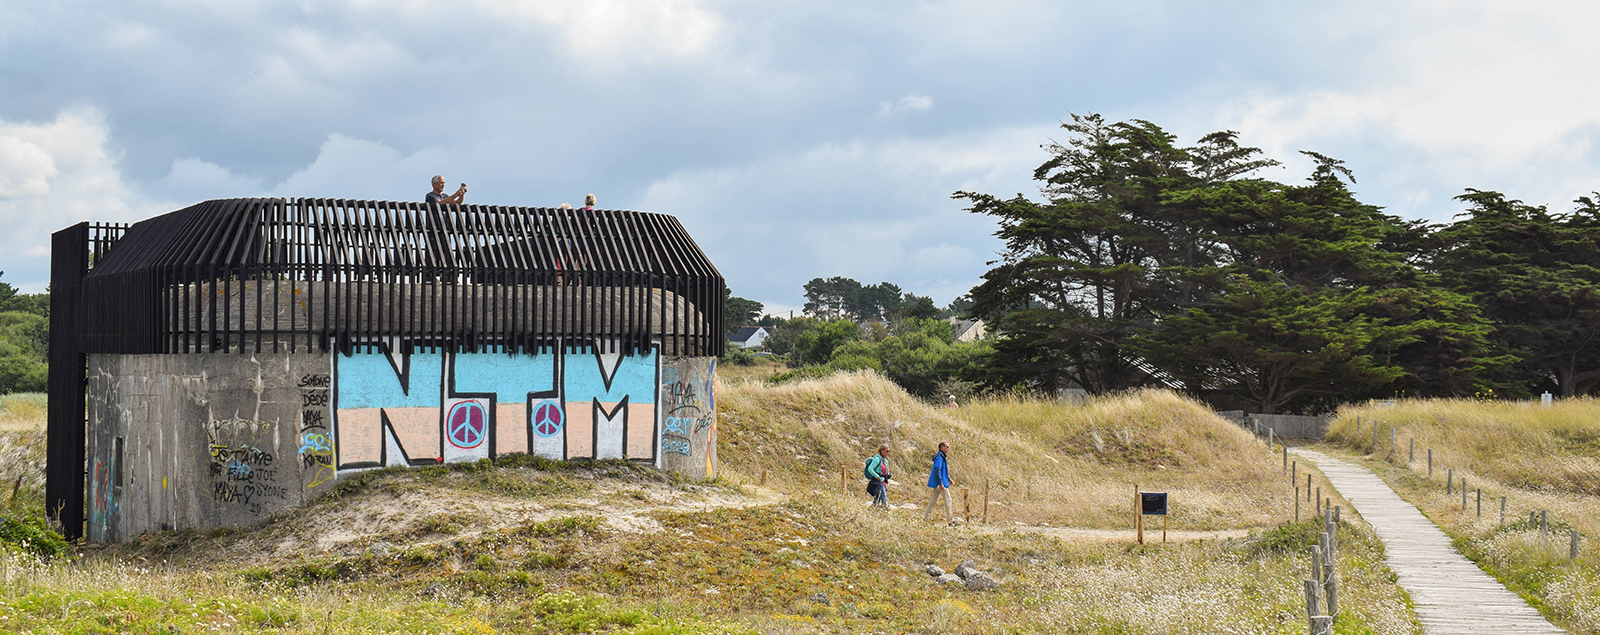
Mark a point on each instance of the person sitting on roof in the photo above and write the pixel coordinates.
(437, 195)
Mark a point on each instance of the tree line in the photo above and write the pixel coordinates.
(24, 339)
(1150, 262)
(848, 325)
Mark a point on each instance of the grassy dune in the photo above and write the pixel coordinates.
(528, 546)
(1046, 462)
(1538, 458)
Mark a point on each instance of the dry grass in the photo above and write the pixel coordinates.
(22, 412)
(1524, 445)
(1538, 458)
(1046, 462)
(515, 550)
(22, 439)
(765, 366)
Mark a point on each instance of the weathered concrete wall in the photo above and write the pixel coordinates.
(689, 416)
(222, 439)
(178, 441)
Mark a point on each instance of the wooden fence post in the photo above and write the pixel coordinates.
(1572, 552)
(1316, 564)
(1297, 503)
(1479, 498)
(1412, 456)
(1544, 521)
(985, 501)
(1138, 514)
(763, 478)
(1312, 610)
(1430, 462)
(1502, 510)
(1449, 481)
(844, 473)
(1331, 590)
(966, 505)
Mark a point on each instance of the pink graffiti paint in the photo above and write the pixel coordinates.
(547, 419)
(467, 426)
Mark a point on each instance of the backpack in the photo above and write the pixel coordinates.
(867, 470)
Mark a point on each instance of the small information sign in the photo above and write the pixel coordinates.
(1153, 503)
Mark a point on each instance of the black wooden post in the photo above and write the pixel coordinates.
(65, 435)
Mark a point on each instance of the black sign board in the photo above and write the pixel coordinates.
(1153, 503)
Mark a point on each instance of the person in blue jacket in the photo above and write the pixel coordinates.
(939, 483)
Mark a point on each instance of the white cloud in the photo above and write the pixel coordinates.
(193, 180)
(870, 210)
(1497, 97)
(346, 167)
(53, 175)
(342, 56)
(25, 168)
(911, 101)
(605, 30)
(130, 35)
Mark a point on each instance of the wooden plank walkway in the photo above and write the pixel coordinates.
(1452, 594)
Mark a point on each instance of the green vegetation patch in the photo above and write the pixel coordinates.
(30, 534)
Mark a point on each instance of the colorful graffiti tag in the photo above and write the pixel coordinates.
(395, 404)
(688, 426)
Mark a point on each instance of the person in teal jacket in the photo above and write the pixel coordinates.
(877, 473)
(939, 484)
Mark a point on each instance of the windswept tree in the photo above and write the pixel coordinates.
(1537, 277)
(1103, 256)
(1152, 260)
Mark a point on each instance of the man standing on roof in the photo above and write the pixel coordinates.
(437, 195)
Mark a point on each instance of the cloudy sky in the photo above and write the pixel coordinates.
(793, 139)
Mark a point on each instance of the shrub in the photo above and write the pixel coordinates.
(32, 535)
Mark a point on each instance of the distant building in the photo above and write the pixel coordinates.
(749, 336)
(968, 330)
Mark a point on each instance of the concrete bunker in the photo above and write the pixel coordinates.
(220, 363)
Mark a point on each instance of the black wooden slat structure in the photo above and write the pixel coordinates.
(272, 275)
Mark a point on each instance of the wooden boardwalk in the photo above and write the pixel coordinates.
(1452, 594)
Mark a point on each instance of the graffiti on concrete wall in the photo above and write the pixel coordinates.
(102, 499)
(394, 404)
(688, 405)
(242, 466)
(316, 439)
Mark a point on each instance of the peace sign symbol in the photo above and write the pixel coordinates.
(547, 419)
(466, 425)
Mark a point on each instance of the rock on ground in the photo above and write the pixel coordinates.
(980, 581)
(948, 578)
(934, 570)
